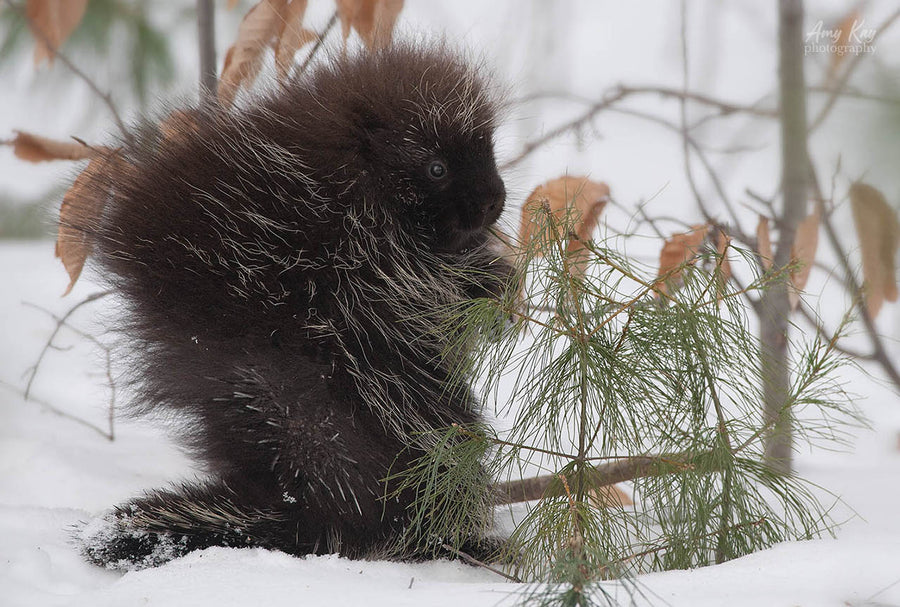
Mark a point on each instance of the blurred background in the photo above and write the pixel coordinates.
(565, 65)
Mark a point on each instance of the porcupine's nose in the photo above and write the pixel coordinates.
(494, 202)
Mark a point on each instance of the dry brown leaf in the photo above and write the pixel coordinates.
(764, 243)
(82, 204)
(803, 253)
(293, 36)
(609, 496)
(373, 20)
(34, 148)
(844, 27)
(588, 198)
(878, 231)
(678, 250)
(51, 22)
(723, 243)
(179, 125)
(261, 26)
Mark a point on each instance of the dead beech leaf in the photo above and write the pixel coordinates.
(844, 27)
(260, 27)
(179, 125)
(51, 22)
(373, 20)
(609, 496)
(764, 243)
(879, 233)
(723, 243)
(587, 198)
(34, 148)
(803, 253)
(680, 249)
(81, 205)
(293, 36)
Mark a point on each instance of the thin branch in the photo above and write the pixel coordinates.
(822, 332)
(725, 107)
(662, 547)
(733, 229)
(879, 352)
(318, 45)
(589, 114)
(59, 412)
(60, 322)
(105, 97)
(623, 469)
(838, 88)
(855, 94)
(473, 561)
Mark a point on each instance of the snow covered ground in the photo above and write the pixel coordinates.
(55, 472)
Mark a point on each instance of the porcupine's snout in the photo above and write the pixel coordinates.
(487, 204)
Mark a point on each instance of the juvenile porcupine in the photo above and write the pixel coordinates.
(284, 269)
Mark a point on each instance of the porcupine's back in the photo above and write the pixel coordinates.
(236, 237)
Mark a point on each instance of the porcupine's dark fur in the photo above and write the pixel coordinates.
(283, 268)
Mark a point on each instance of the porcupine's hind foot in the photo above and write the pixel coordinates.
(164, 525)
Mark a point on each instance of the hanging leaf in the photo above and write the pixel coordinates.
(51, 22)
(680, 249)
(844, 28)
(764, 243)
(261, 26)
(179, 125)
(803, 255)
(81, 205)
(587, 198)
(878, 231)
(34, 148)
(293, 37)
(609, 497)
(373, 20)
(723, 243)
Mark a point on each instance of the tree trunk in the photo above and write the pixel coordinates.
(775, 304)
(206, 39)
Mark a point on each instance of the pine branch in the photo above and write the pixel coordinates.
(625, 469)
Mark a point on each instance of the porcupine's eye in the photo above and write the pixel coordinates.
(437, 170)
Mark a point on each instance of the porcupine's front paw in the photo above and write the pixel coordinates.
(115, 541)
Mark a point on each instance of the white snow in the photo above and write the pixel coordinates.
(56, 474)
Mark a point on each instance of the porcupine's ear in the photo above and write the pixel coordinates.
(371, 129)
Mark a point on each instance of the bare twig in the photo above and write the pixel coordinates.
(57, 411)
(837, 91)
(663, 547)
(822, 332)
(105, 97)
(319, 42)
(623, 469)
(60, 322)
(725, 107)
(473, 561)
(588, 115)
(879, 352)
(695, 147)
